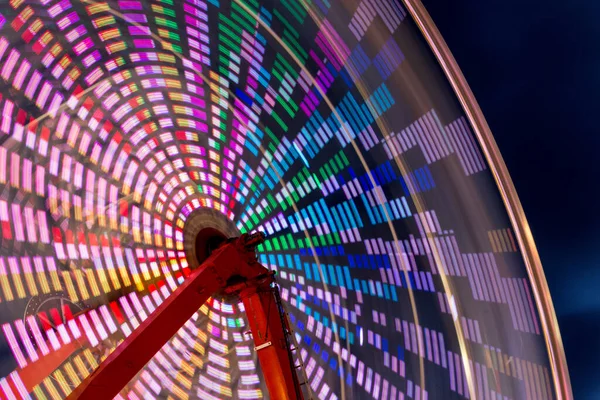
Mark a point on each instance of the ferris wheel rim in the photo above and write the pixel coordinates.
(508, 193)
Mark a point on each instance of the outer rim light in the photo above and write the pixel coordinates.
(531, 258)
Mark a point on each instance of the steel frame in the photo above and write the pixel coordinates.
(234, 269)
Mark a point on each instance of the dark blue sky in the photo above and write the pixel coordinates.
(534, 66)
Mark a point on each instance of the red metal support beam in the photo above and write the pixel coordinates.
(270, 341)
(232, 265)
(35, 373)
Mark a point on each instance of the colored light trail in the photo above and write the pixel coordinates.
(326, 124)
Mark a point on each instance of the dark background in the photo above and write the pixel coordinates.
(534, 66)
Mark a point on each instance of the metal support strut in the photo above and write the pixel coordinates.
(232, 268)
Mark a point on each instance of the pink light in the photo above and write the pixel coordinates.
(88, 330)
(12, 341)
(25, 340)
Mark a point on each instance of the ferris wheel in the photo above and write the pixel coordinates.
(138, 138)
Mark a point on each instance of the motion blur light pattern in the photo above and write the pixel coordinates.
(326, 124)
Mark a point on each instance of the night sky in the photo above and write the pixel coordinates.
(534, 66)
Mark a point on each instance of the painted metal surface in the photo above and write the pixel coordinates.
(233, 261)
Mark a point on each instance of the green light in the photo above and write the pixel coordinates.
(166, 22)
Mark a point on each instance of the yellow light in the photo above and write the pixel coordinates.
(51, 389)
(187, 368)
(90, 358)
(31, 284)
(110, 34)
(53, 203)
(43, 282)
(69, 284)
(179, 393)
(62, 382)
(136, 235)
(184, 380)
(155, 270)
(145, 272)
(83, 371)
(97, 8)
(114, 278)
(114, 225)
(8, 295)
(36, 26)
(197, 361)
(16, 3)
(81, 284)
(116, 47)
(66, 208)
(204, 309)
(92, 281)
(199, 349)
(170, 71)
(56, 50)
(72, 374)
(26, 13)
(103, 280)
(173, 84)
(19, 286)
(166, 58)
(125, 276)
(78, 213)
(55, 281)
(138, 282)
(39, 394)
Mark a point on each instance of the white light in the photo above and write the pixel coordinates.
(361, 335)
